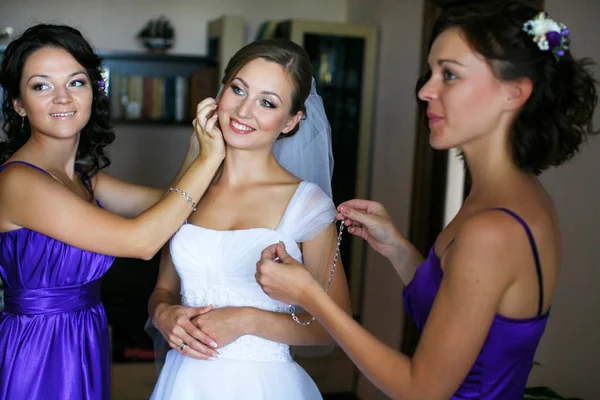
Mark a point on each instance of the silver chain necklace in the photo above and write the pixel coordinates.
(331, 273)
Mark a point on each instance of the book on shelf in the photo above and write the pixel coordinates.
(203, 84)
(152, 98)
(1, 108)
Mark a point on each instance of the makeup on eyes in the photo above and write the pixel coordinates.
(264, 92)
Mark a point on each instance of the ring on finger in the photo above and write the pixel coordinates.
(182, 346)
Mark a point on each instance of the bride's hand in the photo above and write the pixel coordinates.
(175, 325)
(225, 325)
(207, 130)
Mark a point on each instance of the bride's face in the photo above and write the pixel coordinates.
(255, 108)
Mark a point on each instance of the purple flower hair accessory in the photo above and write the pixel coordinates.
(102, 85)
(103, 81)
(548, 34)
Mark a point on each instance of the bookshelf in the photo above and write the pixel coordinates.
(150, 88)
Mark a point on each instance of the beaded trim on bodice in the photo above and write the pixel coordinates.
(246, 347)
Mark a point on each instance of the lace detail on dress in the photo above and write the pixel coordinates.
(246, 347)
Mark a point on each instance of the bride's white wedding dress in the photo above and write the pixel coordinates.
(218, 267)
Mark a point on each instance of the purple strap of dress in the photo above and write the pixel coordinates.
(534, 249)
(77, 168)
(536, 256)
(23, 162)
(51, 300)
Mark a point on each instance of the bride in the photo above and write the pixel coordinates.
(230, 340)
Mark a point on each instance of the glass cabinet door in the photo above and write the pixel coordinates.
(344, 58)
(338, 71)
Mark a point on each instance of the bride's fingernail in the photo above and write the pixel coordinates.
(212, 358)
(213, 344)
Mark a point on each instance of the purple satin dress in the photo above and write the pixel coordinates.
(501, 370)
(54, 341)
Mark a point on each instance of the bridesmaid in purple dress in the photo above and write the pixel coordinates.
(62, 220)
(504, 89)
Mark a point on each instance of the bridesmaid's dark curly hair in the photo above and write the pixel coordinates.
(97, 134)
(557, 117)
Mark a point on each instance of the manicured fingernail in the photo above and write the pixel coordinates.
(213, 344)
(212, 358)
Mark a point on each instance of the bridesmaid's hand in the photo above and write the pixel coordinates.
(225, 325)
(371, 221)
(283, 278)
(174, 323)
(207, 130)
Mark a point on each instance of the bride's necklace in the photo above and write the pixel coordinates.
(331, 273)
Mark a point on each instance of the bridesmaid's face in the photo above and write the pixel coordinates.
(465, 99)
(56, 95)
(255, 108)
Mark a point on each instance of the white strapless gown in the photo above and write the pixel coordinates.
(218, 267)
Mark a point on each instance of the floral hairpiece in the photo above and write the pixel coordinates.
(548, 34)
(103, 82)
(102, 85)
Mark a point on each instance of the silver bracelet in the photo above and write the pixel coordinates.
(185, 195)
(295, 317)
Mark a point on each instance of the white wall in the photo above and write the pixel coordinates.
(151, 154)
(569, 351)
(113, 24)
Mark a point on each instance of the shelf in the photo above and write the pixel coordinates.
(162, 65)
(150, 122)
(118, 57)
(179, 58)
